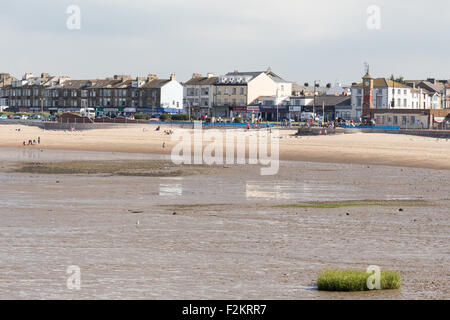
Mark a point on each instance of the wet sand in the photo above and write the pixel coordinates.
(233, 235)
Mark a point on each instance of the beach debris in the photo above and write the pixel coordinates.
(57, 181)
(135, 211)
(137, 223)
(174, 213)
(401, 209)
(347, 214)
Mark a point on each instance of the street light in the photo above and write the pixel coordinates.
(316, 85)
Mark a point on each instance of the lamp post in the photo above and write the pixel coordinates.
(316, 84)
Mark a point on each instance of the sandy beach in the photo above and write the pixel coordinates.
(222, 233)
(357, 148)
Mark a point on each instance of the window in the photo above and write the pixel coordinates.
(358, 101)
(219, 91)
(405, 102)
(234, 91)
(413, 119)
(379, 102)
(395, 120)
(226, 91)
(404, 119)
(241, 91)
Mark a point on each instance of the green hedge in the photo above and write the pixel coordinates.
(141, 116)
(180, 117)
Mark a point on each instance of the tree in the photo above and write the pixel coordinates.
(400, 79)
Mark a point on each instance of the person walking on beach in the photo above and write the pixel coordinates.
(39, 140)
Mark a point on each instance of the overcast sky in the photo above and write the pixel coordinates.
(300, 40)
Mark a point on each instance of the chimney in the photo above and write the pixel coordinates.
(236, 71)
(196, 75)
(173, 77)
(44, 75)
(151, 77)
(210, 75)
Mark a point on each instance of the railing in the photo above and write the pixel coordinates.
(372, 127)
(228, 124)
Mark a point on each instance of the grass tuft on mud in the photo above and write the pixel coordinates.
(355, 280)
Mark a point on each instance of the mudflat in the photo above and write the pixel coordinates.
(228, 233)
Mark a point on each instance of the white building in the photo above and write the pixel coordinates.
(171, 93)
(235, 90)
(338, 90)
(389, 94)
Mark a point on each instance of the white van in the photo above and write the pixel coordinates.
(87, 112)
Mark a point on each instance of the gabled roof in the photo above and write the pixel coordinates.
(429, 86)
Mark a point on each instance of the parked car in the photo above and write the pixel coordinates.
(3, 117)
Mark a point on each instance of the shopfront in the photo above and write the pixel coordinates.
(274, 113)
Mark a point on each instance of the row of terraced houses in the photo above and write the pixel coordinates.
(252, 95)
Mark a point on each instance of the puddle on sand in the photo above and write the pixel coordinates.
(288, 190)
(168, 189)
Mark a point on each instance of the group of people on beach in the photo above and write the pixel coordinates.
(32, 142)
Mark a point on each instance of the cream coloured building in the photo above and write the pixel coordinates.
(235, 90)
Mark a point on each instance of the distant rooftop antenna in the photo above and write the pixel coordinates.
(366, 67)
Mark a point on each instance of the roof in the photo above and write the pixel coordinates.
(251, 73)
(74, 84)
(156, 83)
(384, 82)
(429, 86)
(123, 85)
(201, 81)
(102, 83)
(329, 100)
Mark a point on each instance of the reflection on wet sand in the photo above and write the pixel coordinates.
(292, 190)
(172, 187)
